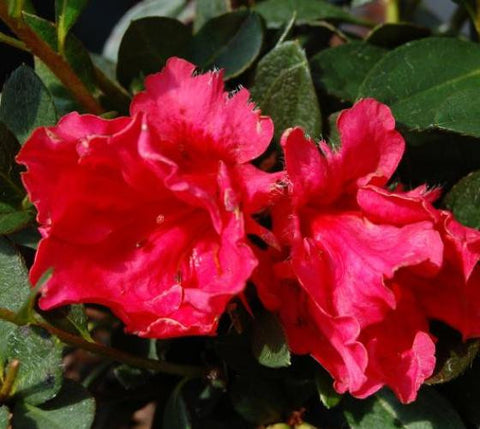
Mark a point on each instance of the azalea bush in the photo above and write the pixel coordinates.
(242, 214)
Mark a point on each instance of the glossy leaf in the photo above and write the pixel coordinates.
(257, 400)
(324, 384)
(284, 90)
(429, 411)
(208, 9)
(67, 13)
(415, 81)
(231, 41)
(391, 35)
(279, 12)
(146, 46)
(340, 71)
(464, 200)
(143, 9)
(72, 408)
(26, 103)
(176, 414)
(460, 112)
(269, 344)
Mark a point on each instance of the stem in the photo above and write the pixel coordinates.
(7, 385)
(109, 352)
(11, 41)
(392, 12)
(55, 62)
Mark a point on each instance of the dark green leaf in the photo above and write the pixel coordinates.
(464, 200)
(460, 112)
(130, 377)
(231, 41)
(257, 400)
(327, 394)
(67, 13)
(28, 237)
(62, 98)
(176, 414)
(4, 417)
(454, 361)
(414, 79)
(146, 46)
(279, 12)
(356, 3)
(429, 411)
(269, 343)
(75, 53)
(14, 283)
(391, 35)
(26, 104)
(13, 220)
(340, 71)
(143, 9)
(11, 189)
(284, 90)
(72, 408)
(39, 376)
(208, 9)
(70, 318)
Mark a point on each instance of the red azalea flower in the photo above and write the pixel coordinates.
(366, 268)
(144, 214)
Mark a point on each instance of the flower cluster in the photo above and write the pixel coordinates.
(150, 215)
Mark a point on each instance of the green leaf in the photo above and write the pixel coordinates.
(464, 200)
(453, 359)
(72, 408)
(143, 9)
(284, 90)
(11, 188)
(208, 9)
(146, 46)
(231, 41)
(460, 112)
(279, 12)
(62, 97)
(67, 13)
(26, 104)
(4, 417)
(75, 53)
(176, 414)
(13, 220)
(269, 344)
(429, 411)
(39, 376)
(391, 35)
(70, 318)
(14, 283)
(28, 237)
(327, 394)
(340, 71)
(414, 79)
(257, 400)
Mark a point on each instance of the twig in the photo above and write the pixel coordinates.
(55, 62)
